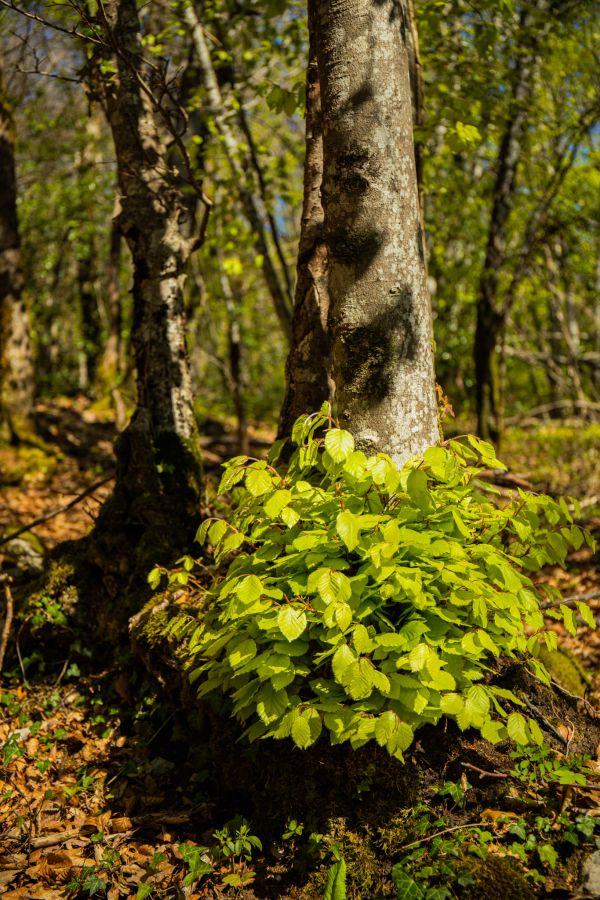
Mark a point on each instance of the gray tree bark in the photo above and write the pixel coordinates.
(16, 359)
(308, 383)
(380, 321)
(159, 470)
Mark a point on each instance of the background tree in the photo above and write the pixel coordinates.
(16, 361)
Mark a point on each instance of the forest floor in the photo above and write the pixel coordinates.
(98, 795)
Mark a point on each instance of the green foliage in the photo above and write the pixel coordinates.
(540, 765)
(335, 888)
(368, 601)
(195, 859)
(449, 862)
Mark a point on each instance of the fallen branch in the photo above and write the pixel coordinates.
(7, 622)
(51, 840)
(482, 772)
(445, 831)
(41, 519)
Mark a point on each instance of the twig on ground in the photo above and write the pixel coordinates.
(482, 772)
(445, 831)
(8, 620)
(41, 519)
(544, 721)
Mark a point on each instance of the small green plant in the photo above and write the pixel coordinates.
(537, 765)
(236, 845)
(293, 829)
(335, 888)
(197, 862)
(86, 884)
(368, 601)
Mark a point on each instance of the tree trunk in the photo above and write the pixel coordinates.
(159, 472)
(16, 358)
(110, 366)
(379, 313)
(252, 205)
(490, 315)
(90, 318)
(307, 379)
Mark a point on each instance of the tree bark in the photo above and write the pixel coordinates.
(308, 383)
(159, 471)
(379, 313)
(16, 355)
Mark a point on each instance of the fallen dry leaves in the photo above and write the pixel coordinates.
(64, 792)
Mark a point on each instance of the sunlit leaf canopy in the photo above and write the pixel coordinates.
(469, 56)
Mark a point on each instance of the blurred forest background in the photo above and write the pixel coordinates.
(506, 136)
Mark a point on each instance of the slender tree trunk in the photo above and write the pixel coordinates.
(16, 358)
(490, 315)
(308, 383)
(159, 473)
(90, 318)
(379, 311)
(256, 215)
(417, 87)
(110, 366)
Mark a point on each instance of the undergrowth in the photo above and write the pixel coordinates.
(364, 601)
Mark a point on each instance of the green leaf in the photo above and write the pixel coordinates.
(406, 886)
(301, 733)
(357, 681)
(517, 728)
(216, 531)
(347, 526)
(342, 658)
(385, 727)
(452, 704)
(416, 486)
(493, 731)
(242, 653)
(258, 481)
(333, 585)
(335, 888)
(569, 619)
(586, 614)
(477, 700)
(271, 704)
(339, 444)
(536, 733)
(419, 657)
(277, 501)
(291, 622)
(290, 516)
(154, 577)
(249, 588)
(548, 855)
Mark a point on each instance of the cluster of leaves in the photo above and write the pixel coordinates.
(371, 601)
